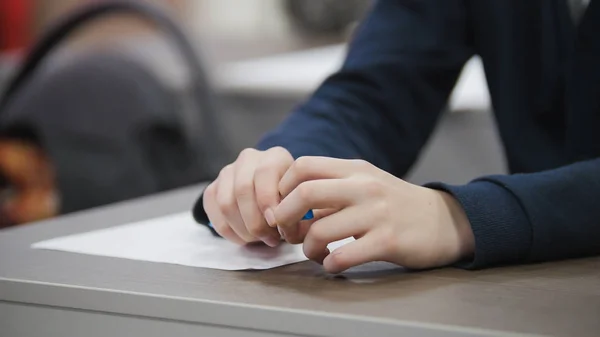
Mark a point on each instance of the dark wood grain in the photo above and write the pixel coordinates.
(561, 298)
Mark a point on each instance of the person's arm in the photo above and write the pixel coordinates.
(532, 217)
(383, 103)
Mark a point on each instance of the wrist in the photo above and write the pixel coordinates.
(464, 246)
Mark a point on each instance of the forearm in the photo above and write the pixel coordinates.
(383, 103)
(532, 217)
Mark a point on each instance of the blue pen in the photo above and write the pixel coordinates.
(308, 216)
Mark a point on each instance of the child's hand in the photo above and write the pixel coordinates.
(391, 219)
(244, 195)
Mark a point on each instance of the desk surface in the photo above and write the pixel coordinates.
(554, 299)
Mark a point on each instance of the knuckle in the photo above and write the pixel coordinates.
(279, 151)
(362, 164)
(225, 171)
(291, 235)
(389, 243)
(256, 229)
(264, 167)
(264, 200)
(316, 237)
(310, 252)
(317, 233)
(338, 260)
(227, 204)
(372, 187)
(243, 188)
(294, 241)
(381, 209)
(265, 170)
(302, 165)
(223, 230)
(304, 191)
(254, 232)
(266, 195)
(245, 153)
(209, 191)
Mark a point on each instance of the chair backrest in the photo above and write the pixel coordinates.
(110, 128)
(212, 146)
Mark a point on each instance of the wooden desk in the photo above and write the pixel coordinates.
(48, 293)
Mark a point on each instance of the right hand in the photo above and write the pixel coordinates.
(241, 200)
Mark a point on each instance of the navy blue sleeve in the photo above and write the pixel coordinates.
(384, 102)
(533, 217)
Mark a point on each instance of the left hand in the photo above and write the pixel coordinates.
(391, 219)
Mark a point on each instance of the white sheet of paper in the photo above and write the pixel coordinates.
(176, 239)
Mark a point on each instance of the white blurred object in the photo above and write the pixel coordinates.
(299, 73)
(471, 90)
(295, 73)
(239, 19)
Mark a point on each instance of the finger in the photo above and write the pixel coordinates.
(363, 250)
(315, 194)
(252, 217)
(341, 225)
(294, 236)
(267, 175)
(313, 168)
(228, 204)
(216, 217)
(321, 213)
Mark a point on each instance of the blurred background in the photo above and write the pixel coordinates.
(261, 58)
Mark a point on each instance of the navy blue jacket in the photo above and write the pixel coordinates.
(543, 73)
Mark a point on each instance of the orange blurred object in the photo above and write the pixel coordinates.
(30, 194)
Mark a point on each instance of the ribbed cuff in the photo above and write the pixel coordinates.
(501, 227)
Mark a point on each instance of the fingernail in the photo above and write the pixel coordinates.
(282, 233)
(270, 217)
(271, 241)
